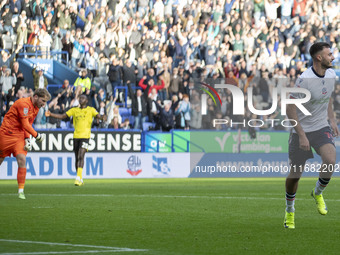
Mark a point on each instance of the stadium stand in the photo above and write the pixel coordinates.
(172, 45)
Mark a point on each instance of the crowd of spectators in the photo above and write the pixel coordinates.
(159, 51)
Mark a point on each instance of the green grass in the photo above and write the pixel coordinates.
(166, 216)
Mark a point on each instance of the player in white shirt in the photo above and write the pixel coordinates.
(315, 130)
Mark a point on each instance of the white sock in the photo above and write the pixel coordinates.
(290, 201)
(20, 190)
(320, 186)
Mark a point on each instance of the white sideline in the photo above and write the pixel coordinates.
(105, 248)
(62, 252)
(165, 196)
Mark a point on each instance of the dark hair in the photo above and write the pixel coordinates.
(42, 93)
(317, 47)
(84, 95)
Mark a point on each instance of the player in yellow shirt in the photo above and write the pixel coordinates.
(82, 122)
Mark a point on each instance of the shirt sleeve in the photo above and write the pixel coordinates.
(300, 83)
(70, 112)
(94, 112)
(23, 114)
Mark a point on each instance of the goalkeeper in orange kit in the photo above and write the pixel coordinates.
(16, 129)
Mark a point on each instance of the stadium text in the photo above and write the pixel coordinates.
(46, 166)
(99, 142)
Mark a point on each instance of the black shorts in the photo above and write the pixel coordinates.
(316, 140)
(80, 143)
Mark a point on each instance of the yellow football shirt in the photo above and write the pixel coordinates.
(82, 121)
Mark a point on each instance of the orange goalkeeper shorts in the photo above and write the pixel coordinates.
(11, 143)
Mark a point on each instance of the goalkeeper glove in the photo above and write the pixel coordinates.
(40, 137)
(28, 144)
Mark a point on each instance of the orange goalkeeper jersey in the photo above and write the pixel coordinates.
(20, 117)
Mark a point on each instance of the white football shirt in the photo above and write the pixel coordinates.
(321, 89)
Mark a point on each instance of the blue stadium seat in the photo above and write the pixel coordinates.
(52, 88)
(147, 125)
(132, 120)
(124, 111)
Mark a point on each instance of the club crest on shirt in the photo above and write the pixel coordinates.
(25, 111)
(299, 82)
(324, 91)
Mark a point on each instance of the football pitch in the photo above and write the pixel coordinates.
(166, 217)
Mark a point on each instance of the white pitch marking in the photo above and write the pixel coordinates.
(165, 196)
(63, 252)
(117, 249)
